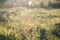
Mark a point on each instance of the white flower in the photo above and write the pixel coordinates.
(30, 3)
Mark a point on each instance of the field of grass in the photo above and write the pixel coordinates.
(22, 23)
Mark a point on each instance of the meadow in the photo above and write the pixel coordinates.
(21, 23)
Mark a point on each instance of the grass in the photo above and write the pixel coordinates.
(29, 24)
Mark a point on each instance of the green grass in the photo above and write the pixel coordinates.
(29, 24)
